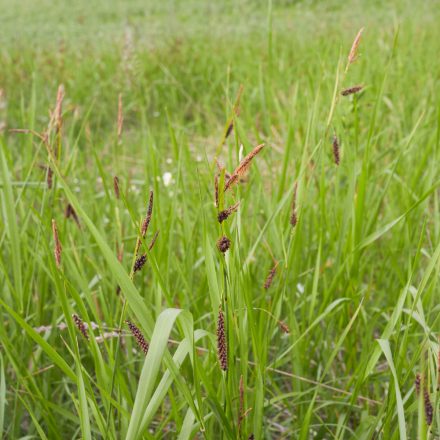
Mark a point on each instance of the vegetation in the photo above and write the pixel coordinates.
(219, 220)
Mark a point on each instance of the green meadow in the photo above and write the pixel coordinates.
(219, 220)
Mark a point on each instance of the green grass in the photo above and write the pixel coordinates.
(357, 280)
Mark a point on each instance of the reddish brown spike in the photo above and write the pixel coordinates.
(352, 90)
(270, 276)
(80, 326)
(242, 167)
(353, 55)
(428, 406)
(336, 153)
(222, 348)
(223, 244)
(120, 117)
(116, 186)
(140, 339)
(223, 215)
(294, 215)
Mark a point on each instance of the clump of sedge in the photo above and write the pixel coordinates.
(80, 326)
(139, 337)
(222, 348)
(223, 244)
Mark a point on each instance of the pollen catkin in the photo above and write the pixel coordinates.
(428, 406)
(116, 187)
(222, 348)
(223, 215)
(242, 167)
(336, 154)
(351, 90)
(352, 56)
(49, 178)
(223, 244)
(140, 340)
(270, 276)
(80, 326)
(57, 245)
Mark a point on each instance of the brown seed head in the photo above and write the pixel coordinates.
(223, 244)
(294, 215)
(336, 154)
(57, 245)
(80, 326)
(270, 277)
(140, 261)
(242, 167)
(241, 402)
(147, 219)
(351, 90)
(116, 186)
(216, 190)
(428, 406)
(59, 108)
(140, 340)
(223, 215)
(71, 213)
(222, 348)
(284, 327)
(417, 383)
(251, 437)
(352, 56)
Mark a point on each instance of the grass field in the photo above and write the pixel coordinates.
(322, 318)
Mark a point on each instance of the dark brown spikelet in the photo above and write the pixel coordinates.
(251, 437)
(270, 276)
(140, 261)
(241, 402)
(140, 340)
(229, 129)
(216, 190)
(336, 155)
(71, 213)
(222, 348)
(352, 90)
(57, 245)
(223, 215)
(294, 215)
(243, 166)
(417, 383)
(284, 327)
(428, 406)
(116, 186)
(147, 219)
(49, 178)
(80, 326)
(223, 244)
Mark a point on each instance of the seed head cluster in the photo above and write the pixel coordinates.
(139, 337)
(223, 244)
(222, 348)
(428, 406)
(80, 326)
(336, 154)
